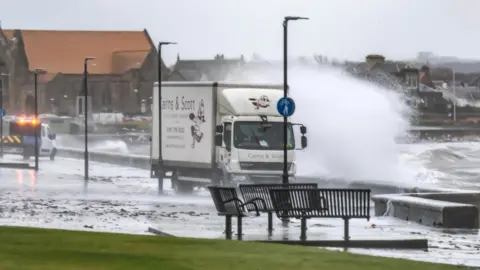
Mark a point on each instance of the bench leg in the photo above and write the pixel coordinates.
(270, 222)
(239, 228)
(346, 229)
(303, 229)
(228, 227)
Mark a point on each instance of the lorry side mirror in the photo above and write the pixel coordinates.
(53, 136)
(304, 142)
(219, 129)
(218, 140)
(303, 130)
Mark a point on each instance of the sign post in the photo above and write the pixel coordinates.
(286, 108)
(2, 113)
(38, 71)
(36, 131)
(2, 88)
(160, 171)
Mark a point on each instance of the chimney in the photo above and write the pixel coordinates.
(374, 59)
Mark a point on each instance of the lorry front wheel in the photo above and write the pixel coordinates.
(217, 178)
(226, 179)
(179, 186)
(184, 187)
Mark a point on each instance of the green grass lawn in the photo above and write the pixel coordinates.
(40, 249)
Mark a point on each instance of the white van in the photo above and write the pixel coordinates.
(18, 137)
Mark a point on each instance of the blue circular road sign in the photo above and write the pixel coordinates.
(286, 107)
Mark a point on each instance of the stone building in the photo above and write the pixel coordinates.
(216, 69)
(120, 75)
(386, 73)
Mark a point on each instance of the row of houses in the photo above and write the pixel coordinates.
(440, 88)
(121, 75)
(124, 68)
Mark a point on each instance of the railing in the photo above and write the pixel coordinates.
(448, 95)
(136, 161)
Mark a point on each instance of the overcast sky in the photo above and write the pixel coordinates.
(346, 29)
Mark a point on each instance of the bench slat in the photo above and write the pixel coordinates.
(252, 192)
(321, 203)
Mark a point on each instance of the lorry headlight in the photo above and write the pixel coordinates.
(240, 178)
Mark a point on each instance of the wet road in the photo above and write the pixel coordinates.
(125, 200)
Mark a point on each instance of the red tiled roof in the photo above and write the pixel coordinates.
(59, 51)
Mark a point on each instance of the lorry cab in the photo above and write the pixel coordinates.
(251, 148)
(18, 137)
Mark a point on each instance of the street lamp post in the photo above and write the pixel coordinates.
(161, 173)
(454, 88)
(36, 72)
(85, 112)
(285, 92)
(2, 88)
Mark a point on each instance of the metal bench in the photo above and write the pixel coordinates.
(228, 204)
(254, 192)
(304, 203)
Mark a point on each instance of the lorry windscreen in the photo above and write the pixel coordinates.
(24, 129)
(261, 136)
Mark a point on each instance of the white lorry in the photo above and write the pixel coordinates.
(221, 133)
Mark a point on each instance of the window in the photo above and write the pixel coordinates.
(44, 133)
(80, 106)
(262, 136)
(49, 132)
(106, 98)
(227, 136)
(23, 130)
(411, 81)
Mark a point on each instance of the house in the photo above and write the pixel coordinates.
(216, 69)
(426, 76)
(474, 81)
(467, 85)
(120, 75)
(376, 68)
